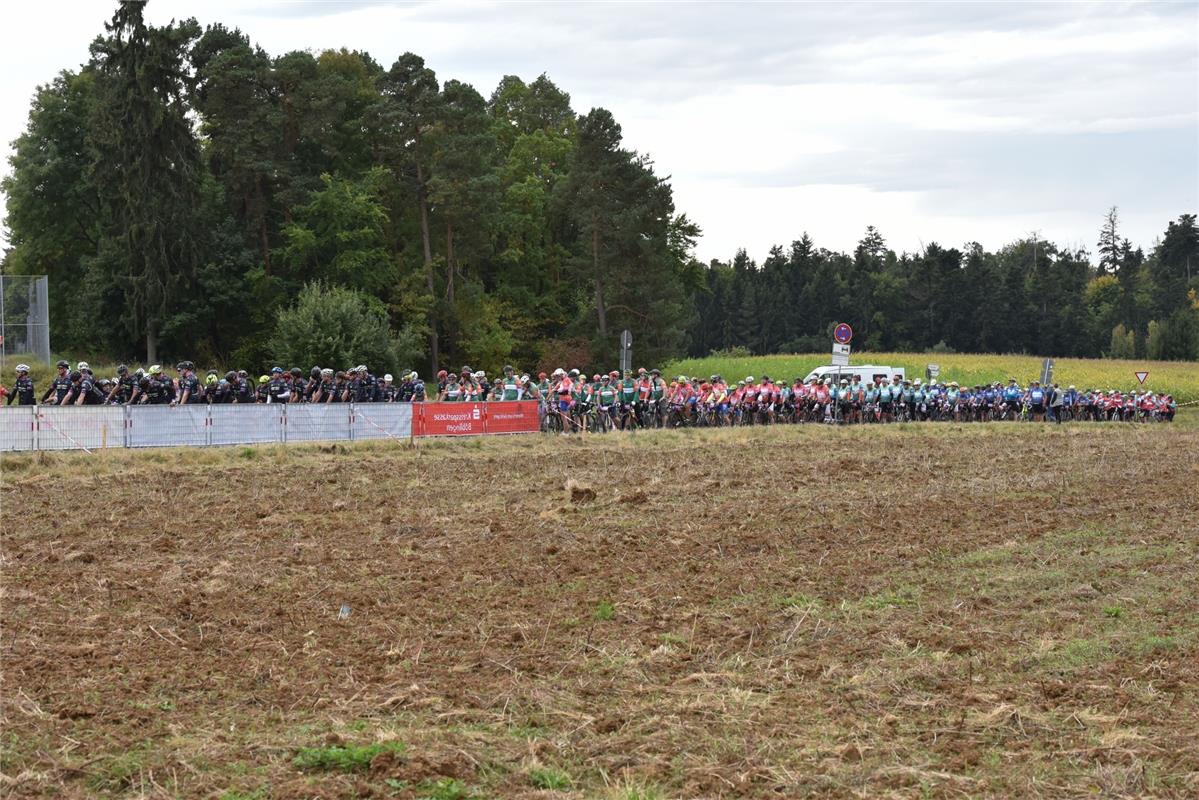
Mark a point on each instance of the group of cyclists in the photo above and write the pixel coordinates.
(572, 401)
(153, 386)
(600, 403)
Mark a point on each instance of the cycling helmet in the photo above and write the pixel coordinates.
(740, 383)
(63, 365)
(1071, 387)
(22, 367)
(441, 374)
(140, 373)
(524, 378)
(466, 370)
(327, 372)
(749, 378)
(295, 372)
(362, 368)
(714, 378)
(655, 372)
(315, 372)
(480, 375)
(211, 378)
(180, 366)
(122, 369)
(230, 376)
(76, 375)
(276, 371)
(509, 368)
(559, 372)
(606, 378)
(412, 376)
(765, 379)
(641, 370)
(574, 373)
(105, 382)
(387, 378)
(595, 377)
(156, 369)
(614, 374)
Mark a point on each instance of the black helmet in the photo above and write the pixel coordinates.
(231, 376)
(468, 370)
(509, 368)
(295, 372)
(315, 372)
(211, 371)
(63, 365)
(76, 375)
(122, 369)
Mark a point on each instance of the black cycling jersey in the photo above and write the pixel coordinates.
(59, 388)
(22, 391)
(190, 385)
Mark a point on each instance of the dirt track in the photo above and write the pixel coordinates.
(1008, 610)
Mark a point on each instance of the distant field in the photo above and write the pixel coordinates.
(1180, 378)
(904, 611)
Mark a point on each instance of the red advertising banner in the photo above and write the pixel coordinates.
(450, 419)
(513, 417)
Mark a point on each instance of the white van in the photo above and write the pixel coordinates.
(865, 372)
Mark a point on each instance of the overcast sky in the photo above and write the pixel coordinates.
(934, 121)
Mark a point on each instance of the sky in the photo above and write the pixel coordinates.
(932, 121)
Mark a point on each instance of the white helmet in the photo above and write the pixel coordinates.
(327, 372)
(387, 378)
(22, 367)
(412, 376)
(559, 372)
(82, 366)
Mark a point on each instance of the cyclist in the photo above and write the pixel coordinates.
(452, 393)
(60, 385)
(22, 388)
(123, 387)
(510, 387)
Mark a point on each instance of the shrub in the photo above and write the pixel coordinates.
(338, 328)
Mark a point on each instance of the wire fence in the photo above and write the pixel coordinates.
(24, 317)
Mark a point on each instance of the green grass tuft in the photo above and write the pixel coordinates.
(605, 610)
(549, 778)
(343, 758)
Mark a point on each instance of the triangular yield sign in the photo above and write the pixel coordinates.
(1141, 376)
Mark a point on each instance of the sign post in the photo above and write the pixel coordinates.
(626, 351)
(1047, 372)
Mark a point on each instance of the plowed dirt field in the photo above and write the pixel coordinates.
(1002, 610)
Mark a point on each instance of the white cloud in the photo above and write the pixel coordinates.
(946, 121)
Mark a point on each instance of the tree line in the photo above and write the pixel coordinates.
(191, 195)
(1030, 296)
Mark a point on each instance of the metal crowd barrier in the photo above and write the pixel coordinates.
(100, 427)
(25, 428)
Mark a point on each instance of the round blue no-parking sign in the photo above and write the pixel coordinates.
(843, 333)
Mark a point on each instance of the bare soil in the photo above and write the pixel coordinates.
(1008, 610)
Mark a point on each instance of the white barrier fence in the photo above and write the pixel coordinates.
(98, 427)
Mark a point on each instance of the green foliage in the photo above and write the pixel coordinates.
(1123, 344)
(339, 328)
(605, 611)
(342, 758)
(549, 778)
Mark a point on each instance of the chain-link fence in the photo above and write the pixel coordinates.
(24, 317)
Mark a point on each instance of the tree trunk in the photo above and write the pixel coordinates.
(449, 261)
(600, 312)
(263, 241)
(151, 344)
(434, 355)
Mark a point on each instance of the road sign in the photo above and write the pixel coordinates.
(1141, 376)
(843, 334)
(840, 355)
(626, 351)
(932, 371)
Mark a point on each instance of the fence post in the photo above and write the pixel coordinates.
(283, 424)
(351, 404)
(36, 426)
(128, 423)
